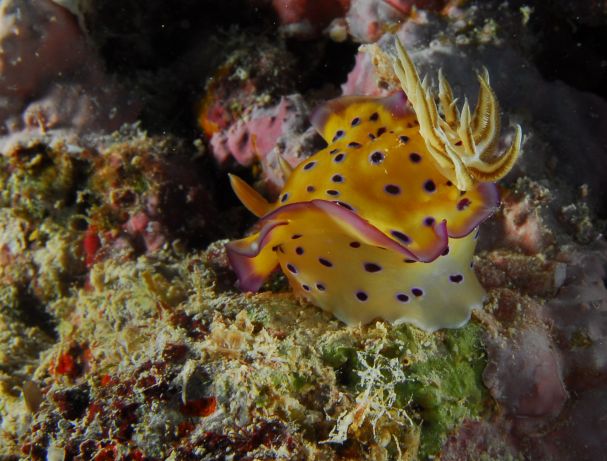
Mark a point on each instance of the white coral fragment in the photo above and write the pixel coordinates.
(377, 401)
(463, 144)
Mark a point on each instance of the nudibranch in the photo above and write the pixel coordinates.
(382, 223)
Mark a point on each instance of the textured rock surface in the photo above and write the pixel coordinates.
(51, 79)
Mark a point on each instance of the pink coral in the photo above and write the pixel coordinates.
(266, 133)
(476, 440)
(522, 224)
(536, 390)
(317, 12)
(248, 140)
(363, 79)
(579, 318)
(368, 20)
(306, 17)
(40, 40)
(50, 77)
(152, 232)
(581, 435)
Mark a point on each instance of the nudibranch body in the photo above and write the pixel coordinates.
(382, 223)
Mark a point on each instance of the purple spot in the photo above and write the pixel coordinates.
(376, 157)
(361, 295)
(299, 250)
(292, 268)
(355, 121)
(333, 192)
(429, 186)
(339, 157)
(409, 261)
(296, 236)
(372, 267)
(445, 251)
(355, 244)
(400, 236)
(284, 198)
(343, 204)
(404, 139)
(403, 298)
(429, 221)
(463, 204)
(381, 131)
(306, 287)
(354, 145)
(334, 151)
(392, 189)
(449, 183)
(456, 278)
(309, 166)
(320, 287)
(415, 157)
(325, 262)
(374, 117)
(417, 292)
(371, 136)
(310, 188)
(337, 178)
(338, 135)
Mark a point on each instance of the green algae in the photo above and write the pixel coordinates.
(337, 354)
(41, 248)
(434, 379)
(580, 339)
(447, 388)
(38, 180)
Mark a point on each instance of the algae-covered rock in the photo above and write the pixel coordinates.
(256, 374)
